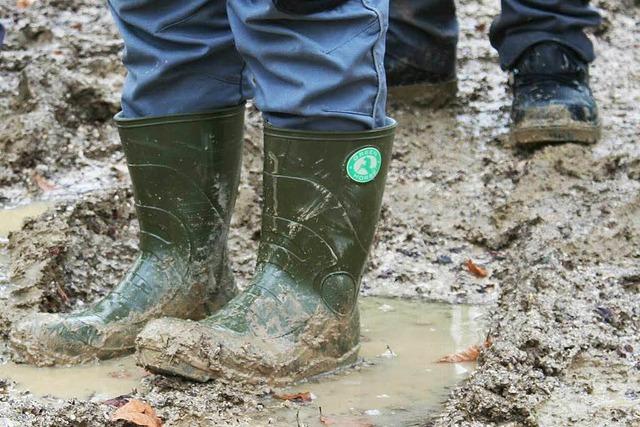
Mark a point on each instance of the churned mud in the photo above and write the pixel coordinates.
(400, 380)
(557, 227)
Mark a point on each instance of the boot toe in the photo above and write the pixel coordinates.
(172, 346)
(555, 120)
(46, 339)
(200, 352)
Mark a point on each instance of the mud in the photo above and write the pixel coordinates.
(556, 226)
(399, 380)
(71, 254)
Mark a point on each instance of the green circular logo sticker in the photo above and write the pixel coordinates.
(364, 165)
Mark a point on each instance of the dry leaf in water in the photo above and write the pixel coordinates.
(23, 4)
(301, 397)
(475, 269)
(42, 183)
(138, 413)
(122, 374)
(469, 355)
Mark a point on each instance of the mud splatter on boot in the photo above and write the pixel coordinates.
(299, 317)
(185, 172)
(552, 100)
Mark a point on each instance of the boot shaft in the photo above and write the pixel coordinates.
(321, 202)
(185, 171)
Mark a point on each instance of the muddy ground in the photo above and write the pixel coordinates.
(558, 227)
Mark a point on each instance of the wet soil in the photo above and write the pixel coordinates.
(400, 378)
(557, 226)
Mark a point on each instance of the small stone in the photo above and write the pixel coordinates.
(444, 259)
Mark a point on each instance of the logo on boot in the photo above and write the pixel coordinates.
(363, 165)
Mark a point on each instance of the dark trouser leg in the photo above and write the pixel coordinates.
(421, 41)
(543, 44)
(524, 23)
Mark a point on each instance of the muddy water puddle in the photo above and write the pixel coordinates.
(400, 383)
(11, 220)
(99, 381)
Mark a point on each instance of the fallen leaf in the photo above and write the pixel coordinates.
(62, 293)
(23, 4)
(475, 269)
(120, 374)
(42, 183)
(138, 413)
(118, 402)
(469, 355)
(301, 397)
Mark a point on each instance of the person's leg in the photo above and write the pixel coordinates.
(180, 57)
(320, 84)
(317, 71)
(524, 23)
(544, 46)
(421, 50)
(181, 130)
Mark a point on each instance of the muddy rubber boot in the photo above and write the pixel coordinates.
(298, 318)
(432, 87)
(185, 171)
(552, 100)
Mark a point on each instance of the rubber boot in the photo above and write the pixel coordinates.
(433, 86)
(185, 171)
(552, 100)
(298, 317)
(421, 48)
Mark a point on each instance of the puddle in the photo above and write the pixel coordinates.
(396, 387)
(11, 220)
(404, 384)
(99, 381)
(400, 383)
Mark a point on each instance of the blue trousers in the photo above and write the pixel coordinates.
(416, 25)
(316, 71)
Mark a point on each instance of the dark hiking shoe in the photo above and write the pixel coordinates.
(432, 84)
(299, 317)
(185, 172)
(552, 100)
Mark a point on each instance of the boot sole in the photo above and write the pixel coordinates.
(149, 357)
(46, 357)
(542, 134)
(431, 95)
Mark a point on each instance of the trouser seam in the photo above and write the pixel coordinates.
(182, 20)
(376, 64)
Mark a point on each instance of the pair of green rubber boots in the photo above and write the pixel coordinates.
(179, 307)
